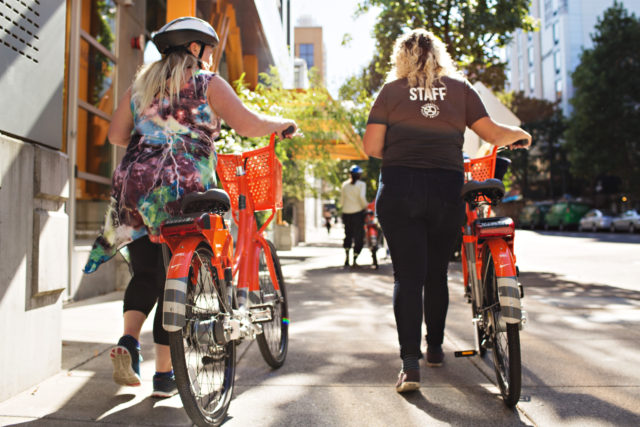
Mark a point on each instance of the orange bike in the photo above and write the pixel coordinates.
(205, 312)
(491, 276)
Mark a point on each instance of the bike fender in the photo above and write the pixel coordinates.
(507, 280)
(175, 287)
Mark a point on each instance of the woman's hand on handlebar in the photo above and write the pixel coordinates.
(289, 129)
(524, 142)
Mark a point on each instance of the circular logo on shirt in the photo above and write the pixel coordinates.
(430, 110)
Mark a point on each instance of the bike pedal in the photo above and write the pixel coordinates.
(465, 353)
(261, 313)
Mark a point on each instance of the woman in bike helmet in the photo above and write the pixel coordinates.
(168, 121)
(416, 126)
(354, 204)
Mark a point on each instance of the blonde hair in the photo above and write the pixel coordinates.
(163, 79)
(422, 58)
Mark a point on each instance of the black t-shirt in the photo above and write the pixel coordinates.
(425, 129)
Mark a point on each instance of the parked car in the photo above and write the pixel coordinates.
(532, 216)
(595, 220)
(629, 221)
(563, 215)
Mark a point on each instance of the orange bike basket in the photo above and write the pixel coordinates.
(264, 176)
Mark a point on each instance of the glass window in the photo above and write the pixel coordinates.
(532, 81)
(556, 32)
(306, 53)
(96, 82)
(556, 62)
(558, 89)
(530, 56)
(102, 22)
(96, 74)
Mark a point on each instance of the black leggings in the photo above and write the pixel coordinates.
(147, 284)
(421, 213)
(353, 231)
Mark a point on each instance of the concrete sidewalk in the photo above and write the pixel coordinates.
(340, 369)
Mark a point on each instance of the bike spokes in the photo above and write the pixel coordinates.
(204, 362)
(273, 342)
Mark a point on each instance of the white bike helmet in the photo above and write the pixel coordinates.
(182, 31)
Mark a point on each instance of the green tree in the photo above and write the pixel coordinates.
(603, 134)
(320, 118)
(545, 122)
(472, 30)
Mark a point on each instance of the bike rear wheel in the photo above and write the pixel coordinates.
(274, 340)
(203, 363)
(505, 340)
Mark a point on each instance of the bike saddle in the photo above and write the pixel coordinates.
(214, 200)
(491, 188)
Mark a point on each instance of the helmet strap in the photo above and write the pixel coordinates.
(202, 45)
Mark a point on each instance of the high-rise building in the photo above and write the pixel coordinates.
(540, 63)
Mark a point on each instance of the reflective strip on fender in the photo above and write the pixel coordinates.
(174, 308)
(509, 296)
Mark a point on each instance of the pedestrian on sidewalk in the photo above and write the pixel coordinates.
(416, 126)
(354, 204)
(167, 121)
(328, 217)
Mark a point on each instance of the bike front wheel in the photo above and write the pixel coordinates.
(203, 362)
(505, 340)
(274, 340)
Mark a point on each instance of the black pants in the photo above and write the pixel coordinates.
(146, 286)
(420, 212)
(353, 231)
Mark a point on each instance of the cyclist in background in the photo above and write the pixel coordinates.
(167, 121)
(354, 204)
(416, 126)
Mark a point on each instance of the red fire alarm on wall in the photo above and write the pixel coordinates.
(137, 42)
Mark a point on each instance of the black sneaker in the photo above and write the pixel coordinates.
(164, 386)
(435, 356)
(408, 380)
(126, 362)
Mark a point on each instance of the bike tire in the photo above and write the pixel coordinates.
(505, 340)
(274, 340)
(204, 370)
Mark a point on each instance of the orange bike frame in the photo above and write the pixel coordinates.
(501, 247)
(250, 239)
(184, 237)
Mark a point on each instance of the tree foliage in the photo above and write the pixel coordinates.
(603, 134)
(472, 30)
(547, 158)
(306, 154)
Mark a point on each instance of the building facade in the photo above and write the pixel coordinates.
(309, 46)
(63, 66)
(540, 64)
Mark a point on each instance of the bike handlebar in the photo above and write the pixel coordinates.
(288, 131)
